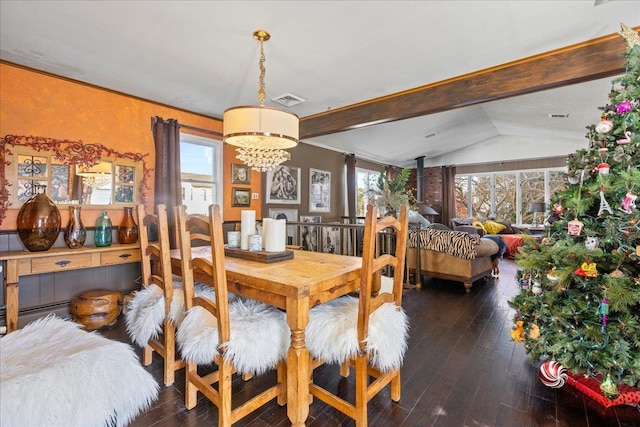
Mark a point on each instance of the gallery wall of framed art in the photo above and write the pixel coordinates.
(319, 190)
(283, 185)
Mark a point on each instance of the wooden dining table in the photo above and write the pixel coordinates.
(295, 286)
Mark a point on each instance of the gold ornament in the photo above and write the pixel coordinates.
(587, 269)
(630, 36)
(534, 332)
(517, 334)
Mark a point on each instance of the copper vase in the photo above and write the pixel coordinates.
(38, 221)
(127, 230)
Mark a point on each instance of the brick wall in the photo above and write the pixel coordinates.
(432, 191)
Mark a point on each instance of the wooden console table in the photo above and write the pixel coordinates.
(24, 263)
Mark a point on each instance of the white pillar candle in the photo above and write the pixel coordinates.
(275, 235)
(281, 233)
(267, 233)
(247, 227)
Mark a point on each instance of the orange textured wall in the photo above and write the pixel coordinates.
(233, 213)
(39, 104)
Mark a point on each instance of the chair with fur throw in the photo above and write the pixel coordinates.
(368, 332)
(148, 318)
(242, 336)
(155, 310)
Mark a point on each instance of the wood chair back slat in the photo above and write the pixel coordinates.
(155, 266)
(155, 255)
(373, 264)
(213, 268)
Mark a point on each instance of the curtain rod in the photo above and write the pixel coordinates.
(212, 132)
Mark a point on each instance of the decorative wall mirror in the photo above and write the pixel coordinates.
(74, 172)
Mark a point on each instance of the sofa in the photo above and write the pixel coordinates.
(513, 236)
(468, 225)
(451, 255)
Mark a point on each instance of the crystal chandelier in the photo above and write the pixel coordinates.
(96, 176)
(261, 133)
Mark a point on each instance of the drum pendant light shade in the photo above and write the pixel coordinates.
(262, 134)
(260, 126)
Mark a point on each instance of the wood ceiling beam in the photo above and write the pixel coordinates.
(590, 60)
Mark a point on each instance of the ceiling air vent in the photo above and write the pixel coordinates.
(288, 100)
(431, 135)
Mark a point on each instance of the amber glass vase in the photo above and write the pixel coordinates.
(127, 230)
(75, 234)
(38, 221)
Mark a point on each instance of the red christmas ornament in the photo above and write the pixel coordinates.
(603, 168)
(558, 209)
(553, 374)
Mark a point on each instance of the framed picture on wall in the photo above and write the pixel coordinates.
(240, 174)
(240, 197)
(283, 185)
(319, 190)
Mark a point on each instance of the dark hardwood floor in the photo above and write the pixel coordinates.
(461, 369)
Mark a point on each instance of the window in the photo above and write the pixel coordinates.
(201, 170)
(507, 195)
(365, 179)
(531, 190)
(505, 198)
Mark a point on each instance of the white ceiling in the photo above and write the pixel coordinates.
(200, 56)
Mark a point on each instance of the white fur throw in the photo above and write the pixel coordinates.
(52, 373)
(146, 310)
(332, 333)
(259, 336)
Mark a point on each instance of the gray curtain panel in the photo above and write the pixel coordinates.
(166, 138)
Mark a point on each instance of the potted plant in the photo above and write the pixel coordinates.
(390, 193)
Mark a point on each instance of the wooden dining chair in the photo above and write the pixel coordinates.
(241, 336)
(148, 319)
(368, 332)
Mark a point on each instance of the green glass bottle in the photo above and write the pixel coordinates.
(103, 232)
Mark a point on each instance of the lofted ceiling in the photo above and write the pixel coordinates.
(200, 56)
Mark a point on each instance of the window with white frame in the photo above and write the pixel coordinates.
(507, 195)
(201, 171)
(365, 179)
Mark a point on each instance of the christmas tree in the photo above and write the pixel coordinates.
(580, 299)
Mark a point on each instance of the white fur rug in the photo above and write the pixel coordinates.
(52, 373)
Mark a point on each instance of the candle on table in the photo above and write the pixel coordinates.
(275, 234)
(247, 227)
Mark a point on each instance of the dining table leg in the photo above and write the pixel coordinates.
(298, 362)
